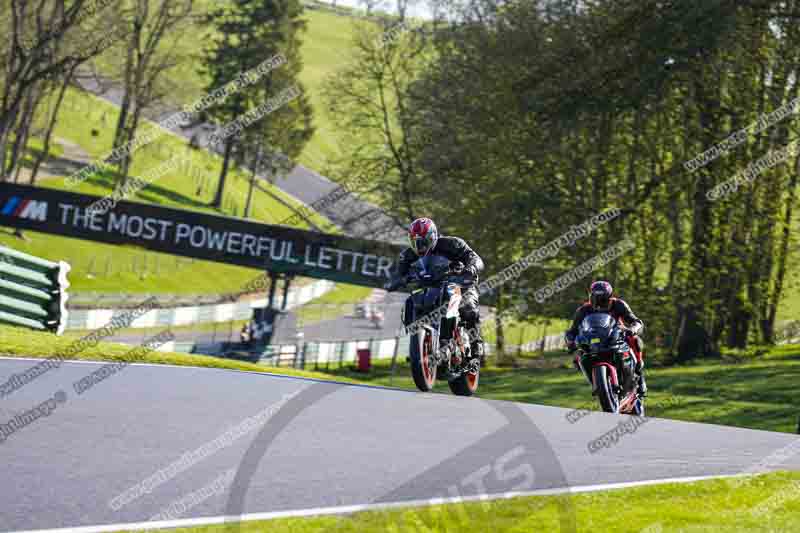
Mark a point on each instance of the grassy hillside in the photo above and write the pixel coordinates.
(85, 121)
(326, 46)
(89, 123)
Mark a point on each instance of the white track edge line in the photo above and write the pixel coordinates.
(350, 509)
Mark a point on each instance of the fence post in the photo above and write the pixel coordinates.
(394, 359)
(299, 357)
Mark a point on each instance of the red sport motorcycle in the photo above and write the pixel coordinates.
(606, 359)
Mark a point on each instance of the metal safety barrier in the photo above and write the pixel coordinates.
(33, 291)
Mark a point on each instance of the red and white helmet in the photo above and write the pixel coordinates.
(423, 235)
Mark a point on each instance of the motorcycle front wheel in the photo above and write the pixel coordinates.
(466, 384)
(605, 389)
(423, 365)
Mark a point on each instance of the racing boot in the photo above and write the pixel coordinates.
(477, 349)
(641, 388)
(449, 352)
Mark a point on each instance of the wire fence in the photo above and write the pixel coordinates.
(306, 355)
(142, 264)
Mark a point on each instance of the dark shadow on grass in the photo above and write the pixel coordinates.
(104, 179)
(153, 193)
(158, 194)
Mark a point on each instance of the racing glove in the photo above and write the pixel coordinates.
(571, 344)
(456, 267)
(571, 347)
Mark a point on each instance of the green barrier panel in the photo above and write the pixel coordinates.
(21, 306)
(28, 277)
(24, 292)
(9, 255)
(20, 321)
(33, 291)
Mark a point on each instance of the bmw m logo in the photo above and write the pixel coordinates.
(22, 208)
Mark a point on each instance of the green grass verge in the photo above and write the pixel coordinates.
(19, 342)
(89, 121)
(702, 506)
(524, 331)
(223, 329)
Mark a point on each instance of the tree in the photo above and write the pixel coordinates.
(370, 5)
(537, 115)
(368, 100)
(249, 33)
(48, 41)
(150, 23)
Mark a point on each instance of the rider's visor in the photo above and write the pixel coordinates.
(420, 243)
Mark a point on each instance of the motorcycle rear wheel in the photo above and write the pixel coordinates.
(423, 369)
(605, 389)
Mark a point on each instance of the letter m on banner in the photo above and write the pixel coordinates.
(19, 207)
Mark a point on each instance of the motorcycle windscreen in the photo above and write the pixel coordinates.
(596, 328)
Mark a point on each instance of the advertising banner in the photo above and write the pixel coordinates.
(202, 236)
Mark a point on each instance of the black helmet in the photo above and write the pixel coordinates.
(600, 295)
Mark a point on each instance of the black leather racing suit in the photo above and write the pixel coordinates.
(454, 249)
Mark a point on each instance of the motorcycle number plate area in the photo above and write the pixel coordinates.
(455, 301)
(595, 341)
(452, 309)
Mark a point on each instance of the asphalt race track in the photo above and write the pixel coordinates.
(318, 445)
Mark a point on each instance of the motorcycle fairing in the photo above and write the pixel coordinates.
(600, 333)
(612, 371)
